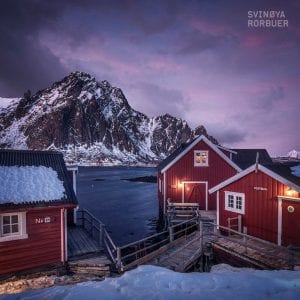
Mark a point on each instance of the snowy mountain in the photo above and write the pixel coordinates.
(294, 154)
(91, 123)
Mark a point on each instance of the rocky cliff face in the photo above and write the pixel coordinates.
(90, 122)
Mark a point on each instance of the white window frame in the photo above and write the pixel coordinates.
(22, 234)
(234, 208)
(201, 164)
(159, 185)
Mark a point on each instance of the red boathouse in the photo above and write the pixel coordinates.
(35, 194)
(188, 173)
(267, 199)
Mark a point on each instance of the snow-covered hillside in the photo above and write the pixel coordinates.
(91, 122)
(294, 154)
(149, 282)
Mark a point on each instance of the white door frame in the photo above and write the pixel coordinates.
(206, 191)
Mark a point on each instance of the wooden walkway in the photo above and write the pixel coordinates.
(181, 257)
(84, 254)
(80, 242)
(260, 254)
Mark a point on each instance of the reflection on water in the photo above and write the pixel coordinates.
(129, 209)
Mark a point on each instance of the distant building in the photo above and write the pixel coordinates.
(35, 194)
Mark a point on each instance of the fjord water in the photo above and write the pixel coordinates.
(128, 209)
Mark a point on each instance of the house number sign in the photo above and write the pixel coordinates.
(42, 220)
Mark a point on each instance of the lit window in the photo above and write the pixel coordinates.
(200, 158)
(235, 202)
(13, 226)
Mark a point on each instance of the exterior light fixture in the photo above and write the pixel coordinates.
(290, 192)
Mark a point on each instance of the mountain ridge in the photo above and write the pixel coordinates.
(91, 122)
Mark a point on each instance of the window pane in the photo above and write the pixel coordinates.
(203, 158)
(15, 228)
(198, 158)
(238, 202)
(6, 220)
(14, 219)
(6, 229)
(230, 201)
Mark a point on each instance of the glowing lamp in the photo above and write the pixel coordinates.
(180, 184)
(290, 192)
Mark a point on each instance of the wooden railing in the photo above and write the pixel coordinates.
(136, 253)
(289, 254)
(97, 231)
(141, 251)
(235, 222)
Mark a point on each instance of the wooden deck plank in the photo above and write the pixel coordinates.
(79, 242)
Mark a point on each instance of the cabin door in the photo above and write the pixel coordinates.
(195, 192)
(290, 223)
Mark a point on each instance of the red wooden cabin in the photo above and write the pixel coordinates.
(188, 173)
(267, 197)
(35, 193)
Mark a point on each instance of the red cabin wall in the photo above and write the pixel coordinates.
(184, 170)
(42, 247)
(261, 206)
(291, 223)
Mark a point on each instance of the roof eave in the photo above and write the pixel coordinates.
(211, 145)
(249, 170)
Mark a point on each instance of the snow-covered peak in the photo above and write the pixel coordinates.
(7, 102)
(294, 154)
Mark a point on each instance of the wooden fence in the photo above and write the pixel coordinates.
(138, 252)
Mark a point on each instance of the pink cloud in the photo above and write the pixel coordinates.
(212, 28)
(254, 41)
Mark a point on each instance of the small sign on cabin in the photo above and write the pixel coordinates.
(42, 220)
(259, 188)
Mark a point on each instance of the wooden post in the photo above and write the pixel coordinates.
(245, 239)
(239, 223)
(101, 235)
(201, 233)
(228, 220)
(119, 262)
(171, 233)
(83, 219)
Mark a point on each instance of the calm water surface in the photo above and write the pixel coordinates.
(129, 209)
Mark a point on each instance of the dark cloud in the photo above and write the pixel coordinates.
(25, 63)
(158, 99)
(270, 99)
(228, 135)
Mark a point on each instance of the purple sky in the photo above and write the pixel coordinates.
(197, 60)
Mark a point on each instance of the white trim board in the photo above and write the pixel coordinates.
(211, 145)
(248, 171)
(206, 191)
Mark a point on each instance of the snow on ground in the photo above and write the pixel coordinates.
(149, 282)
(296, 170)
(29, 183)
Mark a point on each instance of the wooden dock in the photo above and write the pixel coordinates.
(86, 252)
(80, 242)
(181, 257)
(258, 254)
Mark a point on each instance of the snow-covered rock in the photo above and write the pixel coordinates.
(294, 154)
(91, 122)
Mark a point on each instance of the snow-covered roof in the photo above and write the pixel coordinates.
(34, 178)
(29, 184)
(296, 170)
